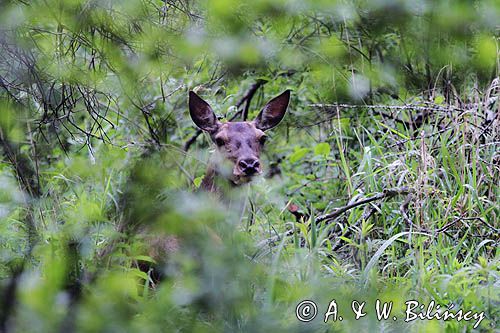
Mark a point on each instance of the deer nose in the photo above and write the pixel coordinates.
(249, 166)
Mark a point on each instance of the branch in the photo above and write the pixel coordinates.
(248, 97)
(192, 139)
(28, 180)
(423, 107)
(7, 305)
(387, 193)
(429, 107)
(24, 171)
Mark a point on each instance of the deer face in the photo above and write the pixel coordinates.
(238, 143)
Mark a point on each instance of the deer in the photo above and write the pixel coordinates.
(236, 161)
(238, 143)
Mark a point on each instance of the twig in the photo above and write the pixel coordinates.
(404, 208)
(431, 107)
(22, 166)
(424, 108)
(192, 139)
(249, 95)
(387, 193)
(7, 305)
(461, 218)
(274, 239)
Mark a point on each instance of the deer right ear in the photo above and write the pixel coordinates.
(202, 113)
(273, 112)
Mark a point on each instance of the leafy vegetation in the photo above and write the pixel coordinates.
(382, 181)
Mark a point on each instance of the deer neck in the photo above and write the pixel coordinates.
(209, 181)
(215, 181)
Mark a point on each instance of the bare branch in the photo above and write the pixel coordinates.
(387, 193)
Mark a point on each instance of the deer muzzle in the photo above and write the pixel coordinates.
(249, 166)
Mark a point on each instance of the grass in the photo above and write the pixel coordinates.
(393, 202)
(247, 263)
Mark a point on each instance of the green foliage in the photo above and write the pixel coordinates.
(101, 164)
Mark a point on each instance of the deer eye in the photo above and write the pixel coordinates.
(263, 139)
(219, 142)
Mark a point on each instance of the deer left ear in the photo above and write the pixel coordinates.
(273, 112)
(202, 113)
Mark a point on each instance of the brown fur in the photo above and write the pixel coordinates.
(238, 143)
(237, 160)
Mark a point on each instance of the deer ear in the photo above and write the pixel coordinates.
(202, 113)
(273, 112)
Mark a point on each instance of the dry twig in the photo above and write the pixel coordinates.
(387, 193)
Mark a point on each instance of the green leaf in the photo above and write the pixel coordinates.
(439, 99)
(145, 258)
(197, 181)
(322, 148)
(139, 274)
(298, 154)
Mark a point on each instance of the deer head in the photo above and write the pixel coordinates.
(239, 143)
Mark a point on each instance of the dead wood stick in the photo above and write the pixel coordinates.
(248, 97)
(429, 107)
(387, 193)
